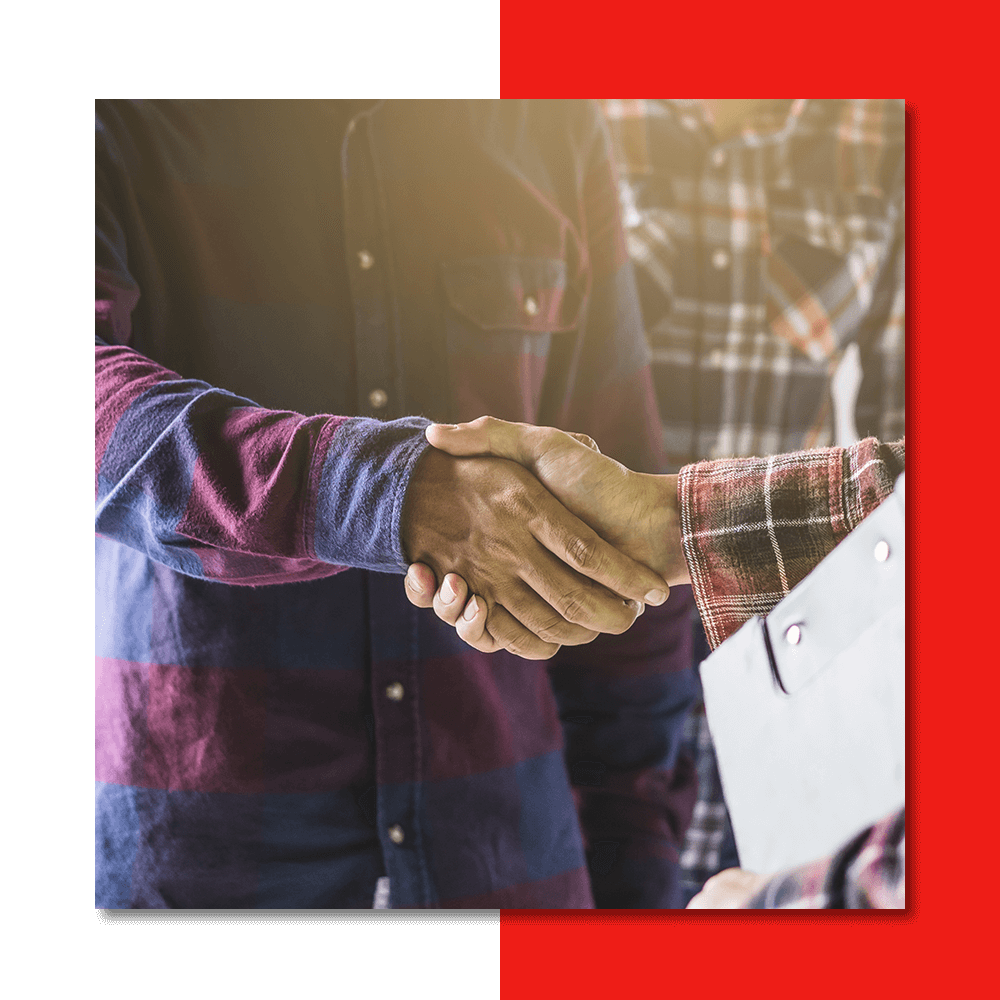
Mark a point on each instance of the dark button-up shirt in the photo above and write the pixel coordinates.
(286, 292)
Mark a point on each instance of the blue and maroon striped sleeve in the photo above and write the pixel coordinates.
(207, 482)
(214, 486)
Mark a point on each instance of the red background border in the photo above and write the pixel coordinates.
(944, 70)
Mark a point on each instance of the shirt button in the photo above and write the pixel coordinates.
(720, 259)
(531, 306)
(365, 260)
(396, 834)
(793, 635)
(718, 158)
(377, 398)
(881, 551)
(394, 692)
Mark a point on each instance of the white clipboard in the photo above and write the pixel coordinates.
(807, 707)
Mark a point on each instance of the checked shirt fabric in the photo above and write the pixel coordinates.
(760, 257)
(752, 528)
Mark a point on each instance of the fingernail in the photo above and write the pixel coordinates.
(471, 610)
(411, 582)
(448, 592)
(656, 597)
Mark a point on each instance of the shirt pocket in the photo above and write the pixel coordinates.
(501, 316)
(825, 251)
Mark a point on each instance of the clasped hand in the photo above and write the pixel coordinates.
(554, 541)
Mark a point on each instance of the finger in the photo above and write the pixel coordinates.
(563, 534)
(537, 617)
(471, 627)
(571, 541)
(585, 439)
(522, 443)
(550, 624)
(419, 584)
(726, 890)
(525, 444)
(508, 633)
(451, 598)
(471, 438)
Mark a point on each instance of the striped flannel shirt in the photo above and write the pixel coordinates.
(285, 293)
(759, 259)
(752, 528)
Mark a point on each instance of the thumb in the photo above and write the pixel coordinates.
(488, 436)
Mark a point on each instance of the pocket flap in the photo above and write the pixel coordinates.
(512, 293)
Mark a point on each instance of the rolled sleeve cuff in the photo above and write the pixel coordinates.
(361, 491)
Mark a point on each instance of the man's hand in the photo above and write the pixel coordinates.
(636, 513)
(543, 577)
(731, 889)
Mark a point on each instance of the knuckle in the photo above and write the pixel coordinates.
(557, 631)
(529, 647)
(584, 552)
(519, 645)
(576, 606)
(610, 614)
(544, 621)
(447, 614)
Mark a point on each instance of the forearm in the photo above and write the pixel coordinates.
(215, 486)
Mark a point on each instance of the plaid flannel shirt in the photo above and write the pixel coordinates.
(277, 726)
(746, 554)
(759, 259)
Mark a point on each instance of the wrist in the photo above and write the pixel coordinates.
(664, 529)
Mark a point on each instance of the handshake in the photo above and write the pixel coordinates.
(528, 538)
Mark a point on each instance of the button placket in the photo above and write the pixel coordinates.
(374, 345)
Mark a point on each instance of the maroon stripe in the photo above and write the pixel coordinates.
(249, 483)
(121, 376)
